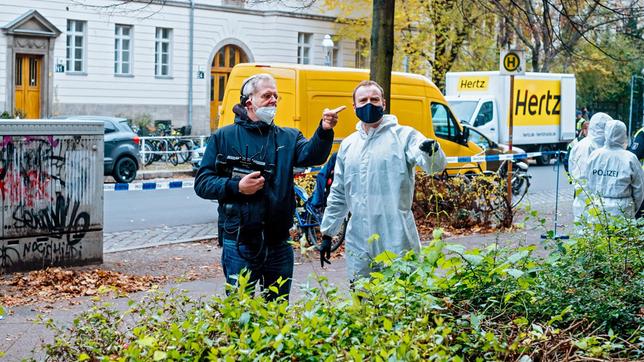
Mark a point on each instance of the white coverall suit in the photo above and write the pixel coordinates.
(374, 180)
(615, 175)
(579, 156)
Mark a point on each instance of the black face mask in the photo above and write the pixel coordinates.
(370, 113)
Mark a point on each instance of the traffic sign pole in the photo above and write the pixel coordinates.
(512, 63)
(510, 132)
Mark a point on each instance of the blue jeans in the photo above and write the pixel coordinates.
(273, 262)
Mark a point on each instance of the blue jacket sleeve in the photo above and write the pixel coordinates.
(637, 147)
(209, 185)
(314, 151)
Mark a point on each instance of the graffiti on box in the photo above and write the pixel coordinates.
(46, 188)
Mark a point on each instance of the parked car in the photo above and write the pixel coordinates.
(121, 147)
(490, 147)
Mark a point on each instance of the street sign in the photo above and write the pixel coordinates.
(512, 62)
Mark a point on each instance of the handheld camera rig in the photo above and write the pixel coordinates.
(236, 167)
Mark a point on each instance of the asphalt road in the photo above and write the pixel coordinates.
(135, 210)
(544, 178)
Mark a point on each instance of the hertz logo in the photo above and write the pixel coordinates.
(533, 104)
(537, 102)
(473, 83)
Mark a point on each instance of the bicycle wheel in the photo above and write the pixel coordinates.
(185, 151)
(148, 156)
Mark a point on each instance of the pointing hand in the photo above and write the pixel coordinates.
(330, 117)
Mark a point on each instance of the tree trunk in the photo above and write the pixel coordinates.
(382, 46)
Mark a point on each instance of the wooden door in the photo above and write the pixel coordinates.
(222, 65)
(27, 85)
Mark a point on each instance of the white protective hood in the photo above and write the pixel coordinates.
(615, 175)
(578, 160)
(615, 135)
(374, 181)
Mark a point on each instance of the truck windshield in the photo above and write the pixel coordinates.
(463, 109)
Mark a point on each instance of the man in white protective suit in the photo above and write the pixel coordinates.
(615, 175)
(374, 181)
(578, 160)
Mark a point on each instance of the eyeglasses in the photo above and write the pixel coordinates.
(267, 96)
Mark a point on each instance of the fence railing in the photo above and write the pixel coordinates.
(173, 149)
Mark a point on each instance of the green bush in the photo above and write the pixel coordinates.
(446, 304)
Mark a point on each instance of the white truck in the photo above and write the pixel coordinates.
(543, 107)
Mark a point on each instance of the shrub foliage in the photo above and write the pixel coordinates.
(447, 304)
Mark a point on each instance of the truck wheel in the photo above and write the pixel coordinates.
(543, 159)
(124, 170)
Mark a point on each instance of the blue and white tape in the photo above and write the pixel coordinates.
(503, 157)
(165, 185)
(142, 186)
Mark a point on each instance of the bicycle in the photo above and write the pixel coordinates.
(520, 179)
(308, 220)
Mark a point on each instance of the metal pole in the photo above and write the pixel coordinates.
(630, 109)
(510, 129)
(557, 192)
(191, 59)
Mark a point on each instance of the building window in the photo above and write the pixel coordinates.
(361, 57)
(162, 49)
(335, 53)
(76, 45)
(304, 48)
(123, 49)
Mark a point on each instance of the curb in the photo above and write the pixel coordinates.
(162, 243)
(153, 174)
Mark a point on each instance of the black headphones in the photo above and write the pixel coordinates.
(243, 98)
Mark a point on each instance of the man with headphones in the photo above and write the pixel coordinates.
(248, 169)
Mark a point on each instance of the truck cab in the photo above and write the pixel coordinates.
(478, 112)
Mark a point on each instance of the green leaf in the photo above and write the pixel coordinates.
(372, 238)
(147, 341)
(160, 355)
(387, 324)
(386, 257)
(437, 233)
(473, 259)
(245, 317)
(457, 248)
(82, 357)
(514, 272)
(517, 256)
(256, 335)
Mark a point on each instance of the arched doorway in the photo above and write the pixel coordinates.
(222, 64)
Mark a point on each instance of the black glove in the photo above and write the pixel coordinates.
(325, 250)
(429, 147)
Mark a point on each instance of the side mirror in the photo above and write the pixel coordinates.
(466, 134)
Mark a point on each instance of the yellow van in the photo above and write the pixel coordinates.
(305, 90)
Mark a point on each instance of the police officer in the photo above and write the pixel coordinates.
(615, 175)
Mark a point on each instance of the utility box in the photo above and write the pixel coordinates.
(51, 193)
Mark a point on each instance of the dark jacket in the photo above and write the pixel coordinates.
(637, 146)
(270, 209)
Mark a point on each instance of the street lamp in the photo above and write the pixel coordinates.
(630, 108)
(327, 44)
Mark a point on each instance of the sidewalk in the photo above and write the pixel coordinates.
(188, 256)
